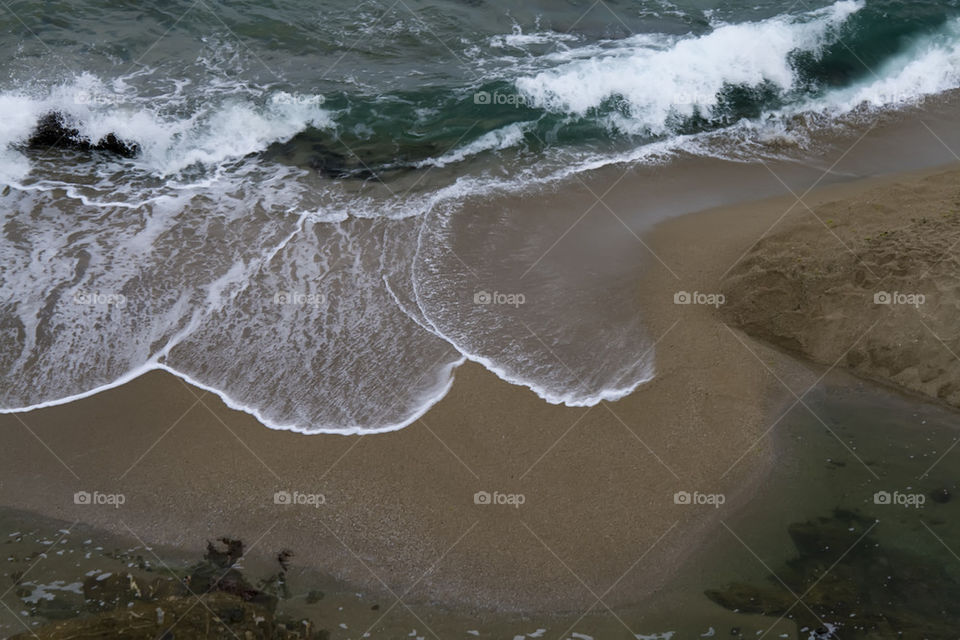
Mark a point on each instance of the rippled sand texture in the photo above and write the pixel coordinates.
(868, 283)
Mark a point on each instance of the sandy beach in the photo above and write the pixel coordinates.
(455, 320)
(588, 493)
(598, 483)
(581, 500)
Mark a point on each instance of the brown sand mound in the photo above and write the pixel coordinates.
(870, 283)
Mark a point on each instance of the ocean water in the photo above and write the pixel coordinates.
(304, 180)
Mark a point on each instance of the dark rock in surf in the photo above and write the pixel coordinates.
(52, 130)
(113, 144)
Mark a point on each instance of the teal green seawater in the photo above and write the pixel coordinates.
(413, 84)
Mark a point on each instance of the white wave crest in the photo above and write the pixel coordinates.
(171, 137)
(656, 78)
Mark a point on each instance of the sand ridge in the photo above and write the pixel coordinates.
(869, 283)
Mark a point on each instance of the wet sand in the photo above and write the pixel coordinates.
(598, 516)
(401, 504)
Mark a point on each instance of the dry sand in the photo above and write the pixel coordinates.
(867, 281)
(598, 483)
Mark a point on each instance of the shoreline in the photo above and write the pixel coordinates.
(598, 482)
(690, 185)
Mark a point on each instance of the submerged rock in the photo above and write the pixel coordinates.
(62, 606)
(213, 615)
(53, 131)
(332, 157)
(217, 573)
(226, 557)
(104, 592)
(339, 166)
(848, 578)
(211, 600)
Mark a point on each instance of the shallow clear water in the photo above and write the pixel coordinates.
(858, 520)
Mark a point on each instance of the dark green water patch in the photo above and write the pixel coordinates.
(870, 37)
(858, 527)
(844, 581)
